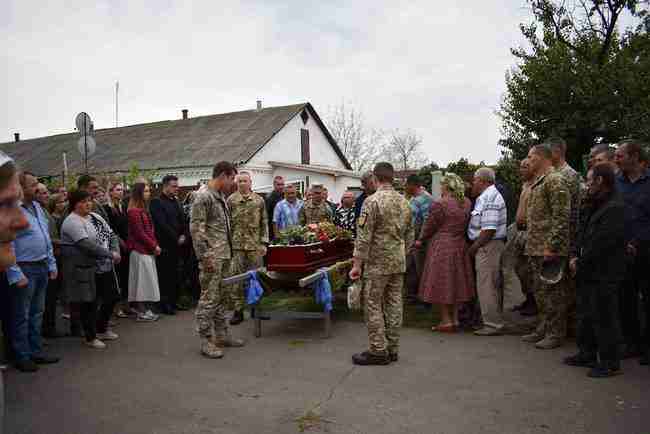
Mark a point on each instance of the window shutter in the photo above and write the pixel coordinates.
(304, 146)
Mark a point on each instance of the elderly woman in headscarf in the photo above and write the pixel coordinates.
(447, 279)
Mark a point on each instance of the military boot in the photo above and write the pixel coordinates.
(548, 343)
(367, 358)
(210, 349)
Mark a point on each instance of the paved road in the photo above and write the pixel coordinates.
(153, 381)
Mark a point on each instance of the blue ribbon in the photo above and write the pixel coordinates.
(255, 289)
(323, 290)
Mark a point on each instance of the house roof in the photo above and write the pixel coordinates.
(193, 142)
(317, 168)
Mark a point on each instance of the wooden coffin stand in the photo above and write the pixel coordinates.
(299, 264)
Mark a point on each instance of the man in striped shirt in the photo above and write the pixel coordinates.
(487, 232)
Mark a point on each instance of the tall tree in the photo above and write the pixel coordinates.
(580, 77)
(404, 150)
(361, 145)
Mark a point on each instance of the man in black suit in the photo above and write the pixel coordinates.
(168, 223)
(599, 269)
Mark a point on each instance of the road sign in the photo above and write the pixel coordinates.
(84, 124)
(86, 144)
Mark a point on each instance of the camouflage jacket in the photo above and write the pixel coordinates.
(548, 215)
(250, 228)
(210, 226)
(574, 183)
(384, 233)
(312, 213)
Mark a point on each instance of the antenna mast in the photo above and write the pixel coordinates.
(117, 103)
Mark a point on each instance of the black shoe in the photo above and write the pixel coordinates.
(26, 366)
(366, 358)
(45, 360)
(180, 306)
(237, 317)
(581, 360)
(645, 359)
(602, 370)
(394, 357)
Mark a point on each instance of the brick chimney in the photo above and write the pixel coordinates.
(185, 113)
(16, 137)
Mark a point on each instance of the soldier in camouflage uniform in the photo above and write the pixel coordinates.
(315, 210)
(250, 236)
(574, 182)
(547, 239)
(384, 236)
(211, 236)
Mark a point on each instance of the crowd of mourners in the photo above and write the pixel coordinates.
(577, 247)
(93, 256)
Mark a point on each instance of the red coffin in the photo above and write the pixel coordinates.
(308, 258)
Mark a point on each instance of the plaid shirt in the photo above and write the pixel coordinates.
(489, 213)
(286, 215)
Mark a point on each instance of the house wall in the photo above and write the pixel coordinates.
(285, 146)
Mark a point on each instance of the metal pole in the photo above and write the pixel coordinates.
(85, 146)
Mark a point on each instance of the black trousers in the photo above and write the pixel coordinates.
(598, 329)
(122, 270)
(95, 315)
(51, 296)
(637, 281)
(106, 299)
(167, 267)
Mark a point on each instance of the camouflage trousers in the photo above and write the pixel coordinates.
(382, 297)
(211, 311)
(551, 301)
(242, 261)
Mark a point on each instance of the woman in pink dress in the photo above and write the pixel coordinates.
(447, 279)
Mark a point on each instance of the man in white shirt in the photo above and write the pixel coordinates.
(487, 232)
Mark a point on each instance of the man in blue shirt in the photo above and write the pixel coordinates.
(420, 203)
(633, 183)
(286, 211)
(28, 278)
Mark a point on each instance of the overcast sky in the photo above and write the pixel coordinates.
(436, 67)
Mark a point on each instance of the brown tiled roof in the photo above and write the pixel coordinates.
(193, 142)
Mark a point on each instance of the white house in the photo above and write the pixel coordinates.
(290, 141)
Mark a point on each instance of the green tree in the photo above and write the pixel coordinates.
(464, 168)
(580, 77)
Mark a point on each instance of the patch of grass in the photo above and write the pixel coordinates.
(414, 316)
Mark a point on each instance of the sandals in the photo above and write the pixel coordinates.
(444, 328)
